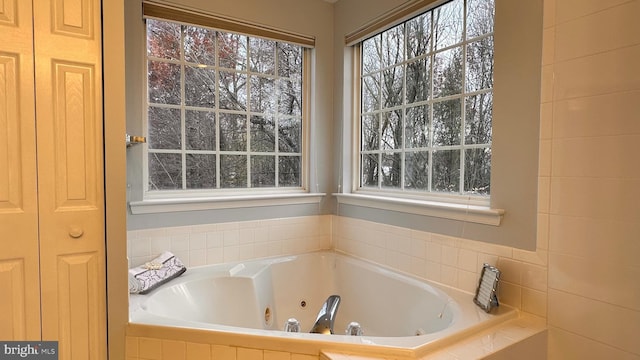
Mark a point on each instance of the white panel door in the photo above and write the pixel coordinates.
(68, 81)
(19, 273)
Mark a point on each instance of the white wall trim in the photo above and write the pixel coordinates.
(463, 212)
(154, 206)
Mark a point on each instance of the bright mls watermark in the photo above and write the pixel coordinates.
(31, 350)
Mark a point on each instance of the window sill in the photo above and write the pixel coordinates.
(463, 212)
(155, 206)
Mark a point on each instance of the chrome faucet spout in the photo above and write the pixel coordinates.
(326, 316)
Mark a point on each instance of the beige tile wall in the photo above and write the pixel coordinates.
(144, 348)
(592, 121)
(226, 242)
(522, 338)
(452, 261)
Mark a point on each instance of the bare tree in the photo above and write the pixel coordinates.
(426, 62)
(206, 85)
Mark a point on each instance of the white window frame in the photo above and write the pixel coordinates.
(464, 207)
(162, 201)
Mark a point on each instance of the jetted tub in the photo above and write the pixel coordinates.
(398, 314)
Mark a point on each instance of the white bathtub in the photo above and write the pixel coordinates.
(397, 313)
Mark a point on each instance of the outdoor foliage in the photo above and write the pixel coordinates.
(225, 110)
(426, 102)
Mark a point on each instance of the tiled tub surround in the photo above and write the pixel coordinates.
(450, 261)
(227, 242)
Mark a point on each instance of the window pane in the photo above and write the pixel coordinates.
(263, 137)
(448, 24)
(290, 61)
(369, 170)
(417, 127)
(447, 72)
(163, 39)
(391, 170)
(200, 130)
(165, 171)
(418, 80)
(163, 83)
(392, 129)
(289, 170)
(392, 84)
(480, 64)
(370, 126)
(233, 90)
(477, 171)
(199, 87)
(263, 171)
(480, 17)
(289, 135)
(262, 55)
(419, 35)
(232, 51)
(371, 54)
(446, 171)
(416, 170)
(290, 97)
(217, 98)
(371, 93)
(447, 119)
(199, 45)
(233, 171)
(201, 171)
(479, 114)
(414, 79)
(233, 132)
(164, 128)
(263, 94)
(393, 46)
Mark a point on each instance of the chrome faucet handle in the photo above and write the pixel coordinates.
(292, 325)
(354, 329)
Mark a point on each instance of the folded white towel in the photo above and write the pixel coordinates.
(134, 285)
(158, 271)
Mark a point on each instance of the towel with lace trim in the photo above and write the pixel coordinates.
(146, 277)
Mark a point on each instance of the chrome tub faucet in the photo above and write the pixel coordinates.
(326, 316)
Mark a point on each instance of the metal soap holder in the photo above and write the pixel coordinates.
(486, 294)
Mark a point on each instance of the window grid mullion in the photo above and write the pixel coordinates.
(276, 120)
(247, 116)
(380, 119)
(404, 108)
(183, 154)
(248, 155)
(432, 57)
(463, 107)
(247, 152)
(216, 91)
